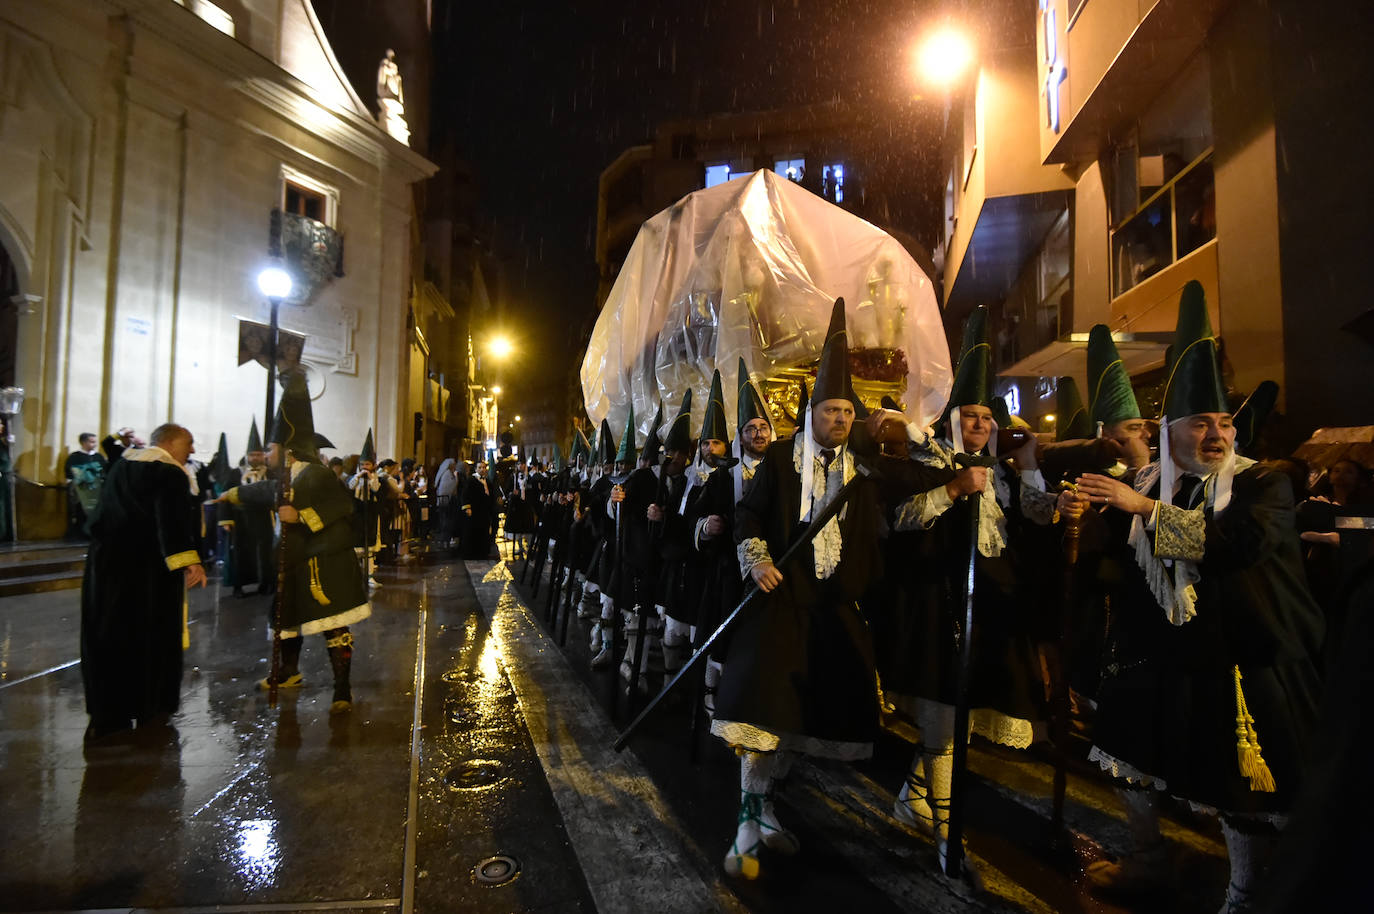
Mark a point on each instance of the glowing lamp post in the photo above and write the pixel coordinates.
(943, 58)
(275, 284)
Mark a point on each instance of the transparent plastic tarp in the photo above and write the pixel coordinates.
(751, 268)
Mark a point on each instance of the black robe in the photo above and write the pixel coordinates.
(479, 501)
(801, 674)
(132, 596)
(1167, 704)
(251, 535)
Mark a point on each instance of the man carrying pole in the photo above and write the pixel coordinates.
(801, 677)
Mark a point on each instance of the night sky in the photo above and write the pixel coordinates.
(540, 100)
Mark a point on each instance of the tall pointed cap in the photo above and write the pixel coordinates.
(605, 444)
(1193, 372)
(832, 371)
(295, 426)
(1073, 415)
(626, 453)
(679, 436)
(219, 466)
(254, 439)
(749, 404)
(581, 448)
(713, 422)
(653, 444)
(1249, 418)
(1109, 386)
(559, 464)
(369, 451)
(803, 402)
(971, 372)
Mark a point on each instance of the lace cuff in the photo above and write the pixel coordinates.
(1180, 533)
(751, 552)
(921, 510)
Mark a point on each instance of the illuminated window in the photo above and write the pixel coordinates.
(717, 174)
(791, 169)
(832, 182)
(302, 195)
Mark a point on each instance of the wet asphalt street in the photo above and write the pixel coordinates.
(474, 736)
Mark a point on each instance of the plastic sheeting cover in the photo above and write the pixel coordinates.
(751, 267)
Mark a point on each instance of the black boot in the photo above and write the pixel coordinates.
(289, 670)
(340, 642)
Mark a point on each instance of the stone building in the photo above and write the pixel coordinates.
(145, 144)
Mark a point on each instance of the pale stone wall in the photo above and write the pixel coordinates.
(142, 154)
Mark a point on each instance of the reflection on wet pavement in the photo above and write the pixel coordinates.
(238, 804)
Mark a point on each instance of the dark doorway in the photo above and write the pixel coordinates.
(9, 317)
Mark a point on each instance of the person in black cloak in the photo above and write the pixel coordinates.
(324, 590)
(141, 562)
(251, 559)
(919, 657)
(1215, 637)
(713, 521)
(801, 677)
(478, 503)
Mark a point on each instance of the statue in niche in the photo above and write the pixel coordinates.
(391, 107)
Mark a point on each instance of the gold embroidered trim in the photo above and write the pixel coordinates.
(312, 520)
(182, 560)
(316, 588)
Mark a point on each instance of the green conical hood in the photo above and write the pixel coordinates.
(369, 451)
(321, 442)
(1109, 385)
(605, 444)
(803, 403)
(1000, 413)
(219, 466)
(295, 426)
(559, 464)
(713, 422)
(888, 403)
(254, 439)
(971, 371)
(1249, 418)
(581, 448)
(832, 371)
(1193, 372)
(1073, 423)
(749, 403)
(276, 430)
(679, 437)
(653, 444)
(626, 453)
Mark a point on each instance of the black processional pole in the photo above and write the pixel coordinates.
(954, 844)
(814, 528)
(275, 283)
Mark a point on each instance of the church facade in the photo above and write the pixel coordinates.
(146, 144)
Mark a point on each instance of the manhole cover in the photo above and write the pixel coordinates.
(459, 676)
(473, 774)
(496, 870)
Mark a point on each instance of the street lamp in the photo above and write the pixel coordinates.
(501, 346)
(943, 57)
(275, 284)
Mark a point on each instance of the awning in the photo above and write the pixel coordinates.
(1007, 233)
(1139, 353)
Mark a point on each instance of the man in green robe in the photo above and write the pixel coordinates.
(323, 589)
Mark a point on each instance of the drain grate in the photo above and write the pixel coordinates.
(495, 871)
(474, 774)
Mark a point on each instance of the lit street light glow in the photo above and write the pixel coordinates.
(496, 389)
(943, 57)
(501, 347)
(274, 282)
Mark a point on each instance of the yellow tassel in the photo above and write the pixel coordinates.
(316, 589)
(1252, 764)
